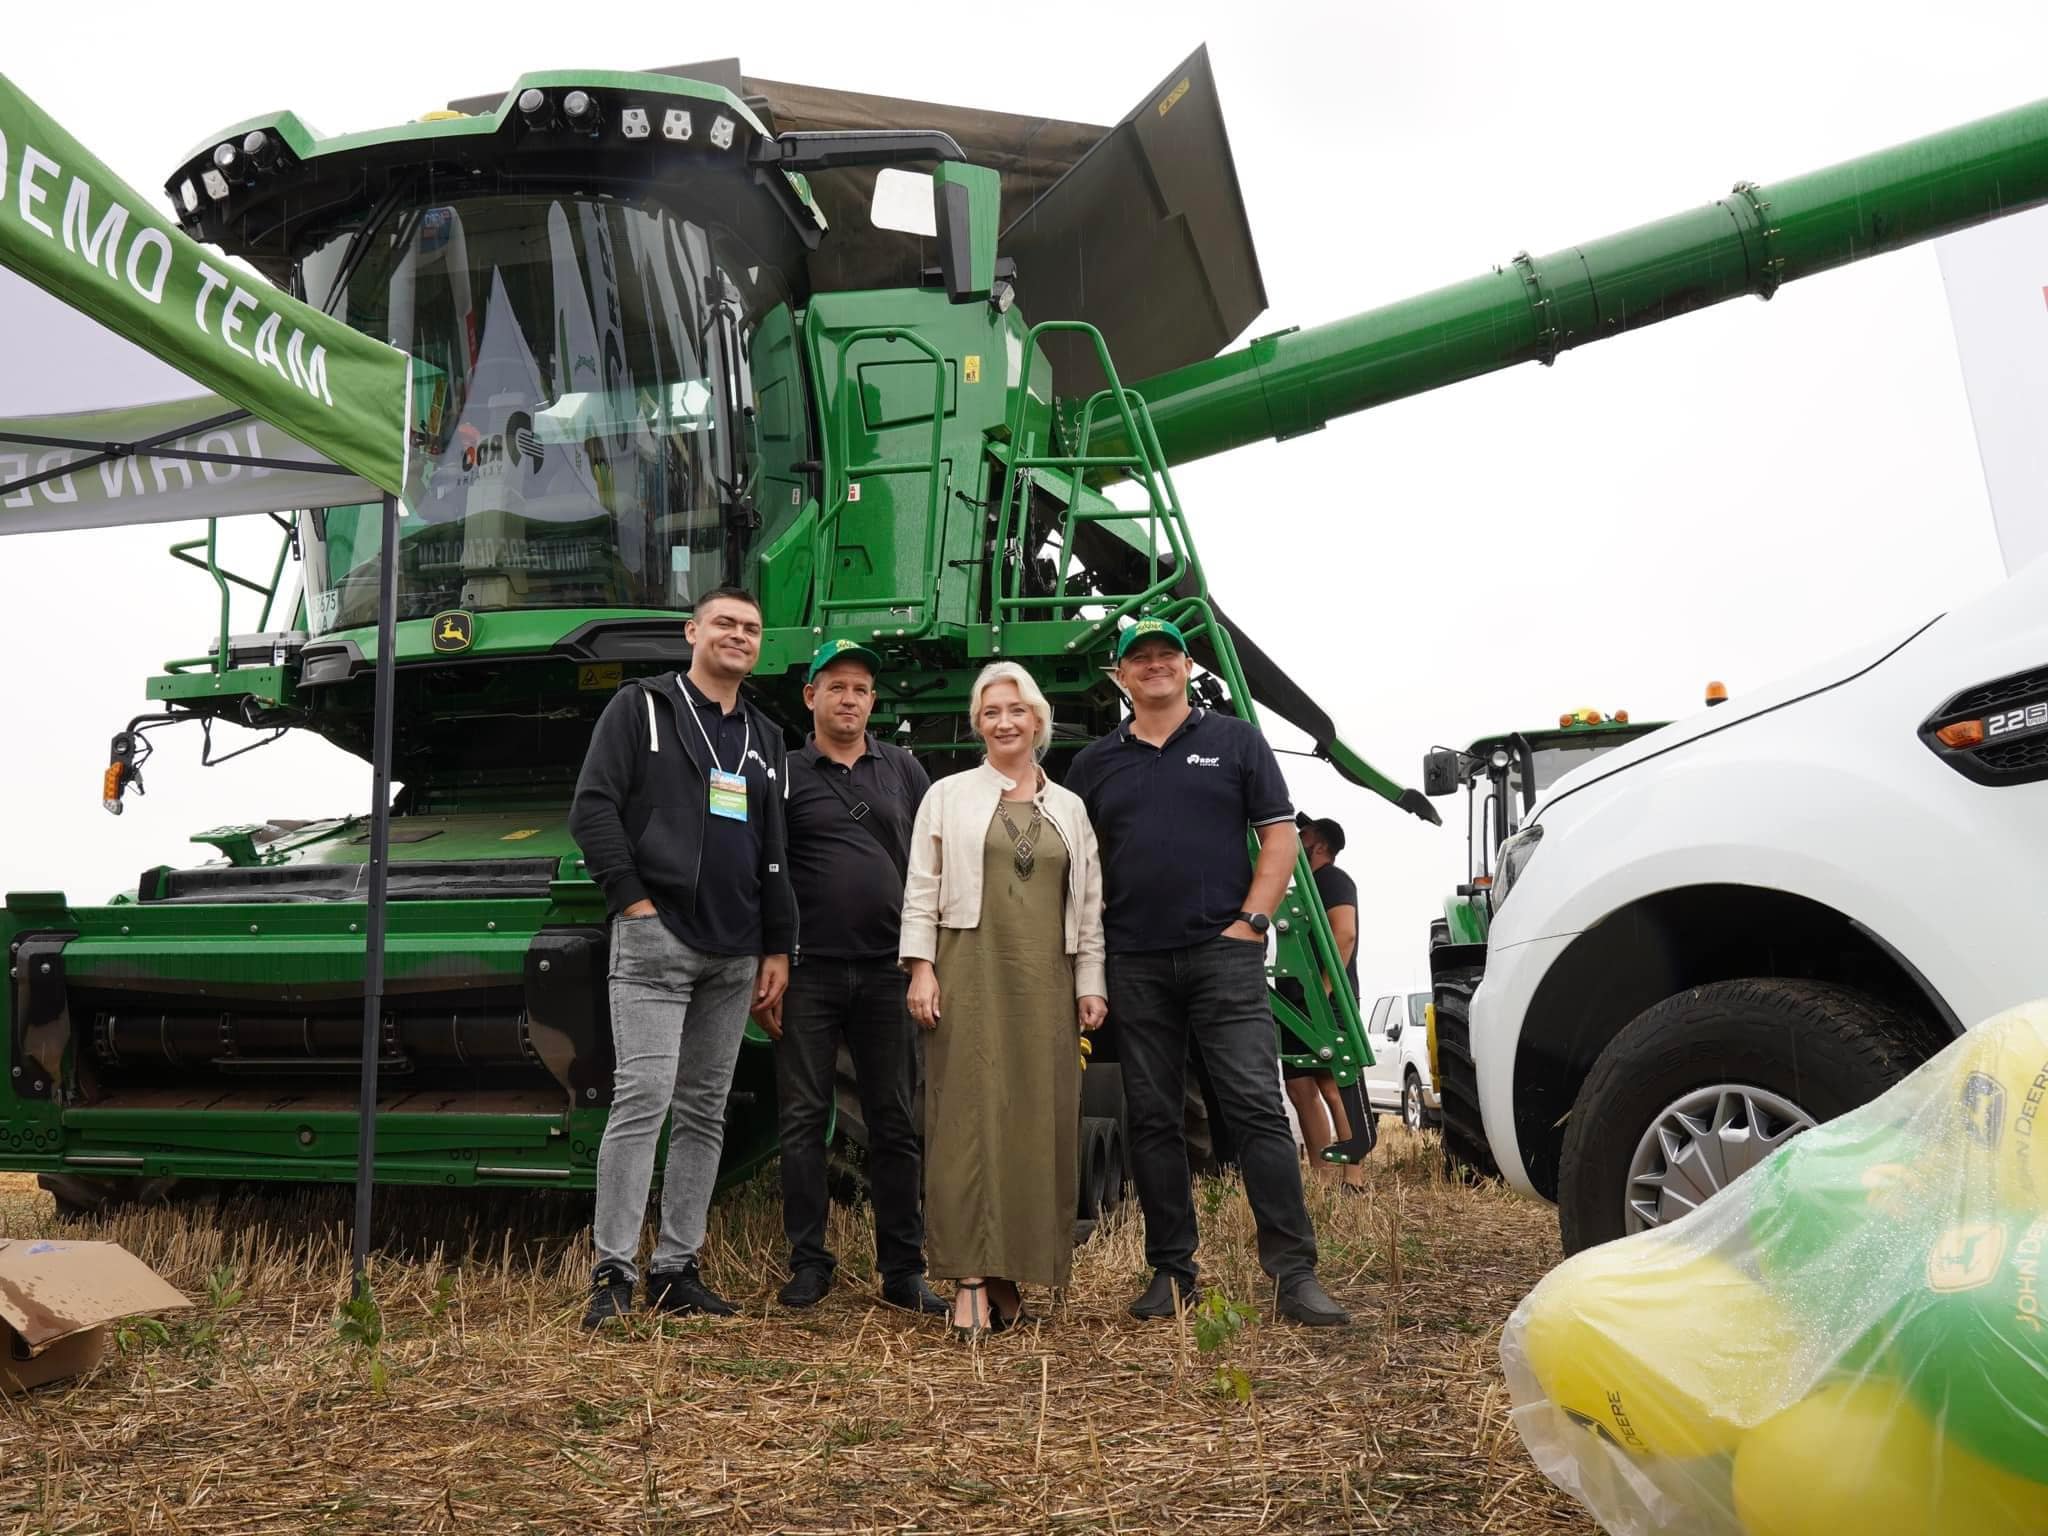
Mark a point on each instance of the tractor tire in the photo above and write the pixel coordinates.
(1467, 1157)
(1724, 1072)
(1439, 933)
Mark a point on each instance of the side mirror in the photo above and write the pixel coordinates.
(1440, 772)
(1393, 1033)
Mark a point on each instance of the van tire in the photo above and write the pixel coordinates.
(1824, 1048)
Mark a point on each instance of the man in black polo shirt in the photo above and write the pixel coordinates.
(851, 801)
(1171, 792)
(1327, 1119)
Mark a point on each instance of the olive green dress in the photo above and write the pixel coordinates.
(1003, 1076)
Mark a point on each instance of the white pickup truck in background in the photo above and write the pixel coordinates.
(1398, 1082)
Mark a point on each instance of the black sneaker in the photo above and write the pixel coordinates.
(682, 1293)
(611, 1296)
(1158, 1300)
(913, 1295)
(1303, 1300)
(806, 1288)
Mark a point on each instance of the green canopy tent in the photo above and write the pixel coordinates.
(188, 389)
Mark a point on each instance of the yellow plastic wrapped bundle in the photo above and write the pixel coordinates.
(1852, 1340)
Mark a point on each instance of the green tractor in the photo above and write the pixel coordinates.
(668, 330)
(1501, 777)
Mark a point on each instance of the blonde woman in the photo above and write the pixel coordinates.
(1002, 937)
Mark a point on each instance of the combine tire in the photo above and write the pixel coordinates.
(1467, 1157)
(1702, 1087)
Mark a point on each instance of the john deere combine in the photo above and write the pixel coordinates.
(670, 330)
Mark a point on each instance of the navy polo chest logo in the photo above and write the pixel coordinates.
(1196, 760)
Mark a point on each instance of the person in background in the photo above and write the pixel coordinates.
(1002, 937)
(851, 798)
(1171, 793)
(1318, 1102)
(678, 811)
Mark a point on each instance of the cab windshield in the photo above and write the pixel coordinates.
(583, 404)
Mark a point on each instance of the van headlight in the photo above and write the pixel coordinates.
(1515, 855)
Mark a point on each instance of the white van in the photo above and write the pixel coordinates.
(1398, 1081)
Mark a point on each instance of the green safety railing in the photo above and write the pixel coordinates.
(225, 580)
(1306, 948)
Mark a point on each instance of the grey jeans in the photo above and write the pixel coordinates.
(677, 1018)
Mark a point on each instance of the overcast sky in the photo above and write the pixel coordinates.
(1732, 495)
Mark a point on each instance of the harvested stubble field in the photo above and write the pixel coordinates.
(485, 1407)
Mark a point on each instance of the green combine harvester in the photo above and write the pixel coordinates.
(1501, 777)
(867, 357)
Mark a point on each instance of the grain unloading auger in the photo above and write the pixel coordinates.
(658, 344)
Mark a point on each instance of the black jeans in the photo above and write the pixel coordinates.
(862, 1001)
(1215, 995)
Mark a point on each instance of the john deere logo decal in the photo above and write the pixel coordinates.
(453, 631)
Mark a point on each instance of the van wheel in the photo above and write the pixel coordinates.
(1412, 1114)
(1707, 1084)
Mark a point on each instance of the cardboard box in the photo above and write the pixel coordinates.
(57, 1300)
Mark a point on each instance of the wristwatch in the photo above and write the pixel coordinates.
(1257, 921)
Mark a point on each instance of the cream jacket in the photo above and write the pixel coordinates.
(941, 892)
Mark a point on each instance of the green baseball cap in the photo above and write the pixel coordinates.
(833, 650)
(1144, 629)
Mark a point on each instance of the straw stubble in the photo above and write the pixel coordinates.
(498, 1413)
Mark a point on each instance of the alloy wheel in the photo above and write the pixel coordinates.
(1700, 1144)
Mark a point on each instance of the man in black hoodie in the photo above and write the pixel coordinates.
(679, 812)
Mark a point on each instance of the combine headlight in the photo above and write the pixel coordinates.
(633, 122)
(259, 148)
(1515, 855)
(675, 125)
(216, 186)
(188, 195)
(579, 111)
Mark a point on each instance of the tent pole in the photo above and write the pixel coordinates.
(380, 856)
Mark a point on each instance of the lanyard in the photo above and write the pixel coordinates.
(710, 751)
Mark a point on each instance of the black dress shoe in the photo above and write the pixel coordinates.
(611, 1296)
(806, 1288)
(1303, 1300)
(913, 1295)
(683, 1293)
(1158, 1300)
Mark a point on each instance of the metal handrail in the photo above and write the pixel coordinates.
(223, 580)
(1190, 609)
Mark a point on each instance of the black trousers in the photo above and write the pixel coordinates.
(1215, 995)
(860, 1001)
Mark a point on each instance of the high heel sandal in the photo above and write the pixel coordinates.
(997, 1323)
(969, 1332)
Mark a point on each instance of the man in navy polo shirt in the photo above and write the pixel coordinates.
(1171, 792)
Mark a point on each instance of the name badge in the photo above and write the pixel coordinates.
(728, 795)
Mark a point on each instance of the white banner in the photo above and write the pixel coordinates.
(89, 387)
(1997, 281)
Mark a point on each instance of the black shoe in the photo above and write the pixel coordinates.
(1158, 1300)
(913, 1295)
(682, 1293)
(807, 1287)
(1303, 1300)
(611, 1296)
